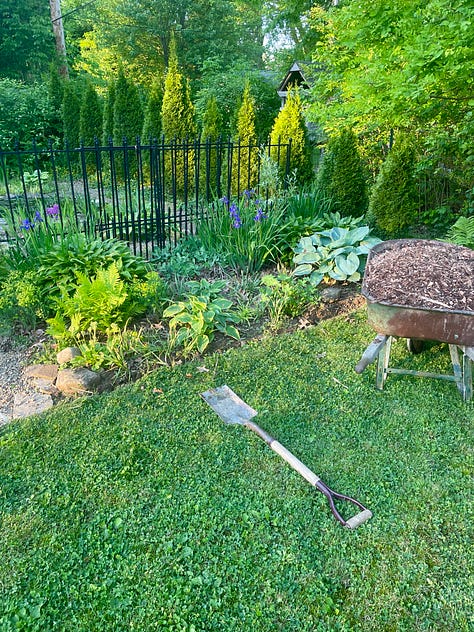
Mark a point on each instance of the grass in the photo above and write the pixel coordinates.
(141, 510)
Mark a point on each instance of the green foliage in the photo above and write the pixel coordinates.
(91, 117)
(76, 253)
(245, 176)
(26, 39)
(284, 296)
(128, 115)
(194, 320)
(177, 113)
(462, 232)
(99, 300)
(394, 196)
(109, 106)
(188, 258)
(55, 97)
(341, 176)
(290, 124)
(21, 304)
(152, 120)
(225, 86)
(25, 114)
(337, 254)
(71, 114)
(211, 120)
(244, 234)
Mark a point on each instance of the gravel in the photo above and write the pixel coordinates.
(12, 360)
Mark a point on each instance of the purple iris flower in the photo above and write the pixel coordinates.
(38, 217)
(260, 215)
(53, 211)
(26, 224)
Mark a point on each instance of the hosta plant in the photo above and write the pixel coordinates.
(195, 319)
(337, 254)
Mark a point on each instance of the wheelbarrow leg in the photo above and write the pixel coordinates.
(382, 363)
(468, 354)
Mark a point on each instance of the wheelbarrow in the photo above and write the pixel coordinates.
(393, 320)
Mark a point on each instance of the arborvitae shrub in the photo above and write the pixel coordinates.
(177, 112)
(342, 175)
(289, 124)
(394, 197)
(211, 130)
(71, 110)
(245, 169)
(152, 121)
(177, 119)
(55, 97)
(128, 114)
(91, 117)
(108, 131)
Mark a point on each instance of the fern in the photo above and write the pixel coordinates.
(462, 232)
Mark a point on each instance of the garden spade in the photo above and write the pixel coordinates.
(233, 410)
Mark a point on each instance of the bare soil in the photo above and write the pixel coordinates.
(422, 274)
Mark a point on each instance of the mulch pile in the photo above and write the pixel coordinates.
(421, 274)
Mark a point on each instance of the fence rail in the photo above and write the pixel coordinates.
(146, 194)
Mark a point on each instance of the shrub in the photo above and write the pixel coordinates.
(71, 113)
(25, 113)
(152, 120)
(128, 115)
(341, 176)
(290, 124)
(21, 304)
(393, 201)
(245, 173)
(108, 130)
(91, 117)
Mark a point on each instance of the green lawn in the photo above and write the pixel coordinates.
(141, 510)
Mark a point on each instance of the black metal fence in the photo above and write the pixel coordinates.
(146, 194)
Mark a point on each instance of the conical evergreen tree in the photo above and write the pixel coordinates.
(177, 119)
(90, 126)
(246, 165)
(55, 97)
(71, 109)
(177, 112)
(108, 131)
(152, 122)
(128, 114)
(211, 130)
(342, 175)
(394, 197)
(212, 121)
(290, 125)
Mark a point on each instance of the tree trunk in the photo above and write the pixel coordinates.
(58, 31)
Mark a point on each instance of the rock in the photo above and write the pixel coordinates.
(25, 405)
(44, 386)
(331, 294)
(48, 372)
(4, 419)
(68, 354)
(79, 381)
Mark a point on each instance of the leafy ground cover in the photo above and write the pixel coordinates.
(141, 510)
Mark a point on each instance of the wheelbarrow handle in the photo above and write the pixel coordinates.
(371, 353)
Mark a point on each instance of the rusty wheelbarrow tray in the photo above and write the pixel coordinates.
(454, 327)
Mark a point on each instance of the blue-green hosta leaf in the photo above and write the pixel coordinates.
(316, 277)
(307, 257)
(305, 244)
(347, 265)
(358, 234)
(337, 274)
(303, 269)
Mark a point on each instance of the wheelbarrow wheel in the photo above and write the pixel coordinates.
(415, 346)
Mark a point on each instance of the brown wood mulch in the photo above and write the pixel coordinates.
(421, 273)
